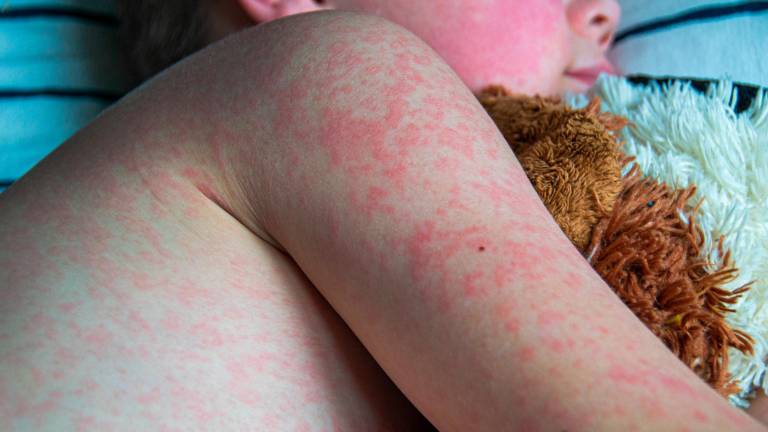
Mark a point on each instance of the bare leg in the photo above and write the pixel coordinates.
(346, 143)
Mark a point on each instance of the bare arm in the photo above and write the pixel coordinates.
(349, 145)
(375, 169)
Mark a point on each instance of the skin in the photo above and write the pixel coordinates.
(216, 256)
(528, 46)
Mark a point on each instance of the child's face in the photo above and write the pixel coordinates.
(529, 46)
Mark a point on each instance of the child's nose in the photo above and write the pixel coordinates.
(595, 20)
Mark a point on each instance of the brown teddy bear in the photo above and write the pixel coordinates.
(628, 227)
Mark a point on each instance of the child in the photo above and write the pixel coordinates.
(542, 51)
(255, 237)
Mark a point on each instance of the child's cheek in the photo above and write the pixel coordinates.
(503, 41)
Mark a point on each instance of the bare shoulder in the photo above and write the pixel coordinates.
(137, 278)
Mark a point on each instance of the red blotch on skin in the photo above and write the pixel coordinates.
(512, 326)
(67, 307)
(550, 318)
(141, 281)
(523, 265)
(193, 401)
(66, 358)
(528, 353)
(700, 416)
(460, 142)
(374, 202)
(573, 281)
(150, 398)
(455, 202)
(679, 386)
(492, 153)
(471, 286)
(44, 324)
(208, 335)
(554, 344)
(37, 375)
(620, 374)
(432, 252)
(405, 63)
(434, 108)
(171, 323)
(137, 323)
(98, 338)
(502, 310)
(501, 195)
(503, 313)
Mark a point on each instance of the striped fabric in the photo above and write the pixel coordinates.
(60, 65)
(694, 38)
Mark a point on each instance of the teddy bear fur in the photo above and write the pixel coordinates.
(627, 226)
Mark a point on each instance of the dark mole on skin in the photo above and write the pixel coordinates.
(481, 248)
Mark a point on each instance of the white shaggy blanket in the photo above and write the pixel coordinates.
(682, 137)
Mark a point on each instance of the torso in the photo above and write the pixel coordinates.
(130, 294)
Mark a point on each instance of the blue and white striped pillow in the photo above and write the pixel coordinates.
(694, 38)
(60, 65)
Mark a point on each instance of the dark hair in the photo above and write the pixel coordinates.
(158, 33)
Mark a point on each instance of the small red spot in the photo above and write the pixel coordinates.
(481, 249)
(67, 307)
(549, 318)
(528, 353)
(700, 416)
(554, 344)
(512, 325)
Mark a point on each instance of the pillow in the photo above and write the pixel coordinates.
(60, 65)
(695, 39)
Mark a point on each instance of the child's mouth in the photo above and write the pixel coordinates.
(589, 75)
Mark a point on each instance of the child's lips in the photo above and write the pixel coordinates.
(589, 75)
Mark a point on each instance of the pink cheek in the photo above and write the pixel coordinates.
(514, 58)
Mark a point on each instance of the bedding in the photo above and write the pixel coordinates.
(709, 129)
(693, 38)
(686, 135)
(60, 65)
(673, 220)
